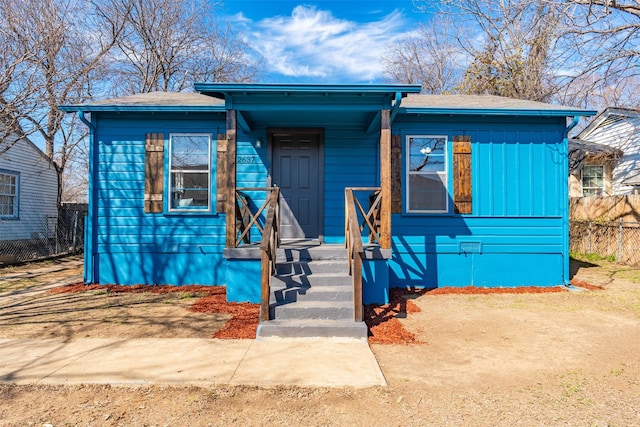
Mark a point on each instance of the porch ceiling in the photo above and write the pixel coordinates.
(295, 118)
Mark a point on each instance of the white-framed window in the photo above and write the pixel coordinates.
(189, 172)
(593, 180)
(9, 193)
(426, 173)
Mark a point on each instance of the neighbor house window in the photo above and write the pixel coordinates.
(9, 195)
(190, 172)
(593, 180)
(427, 174)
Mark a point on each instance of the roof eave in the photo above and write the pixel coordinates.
(497, 112)
(599, 119)
(233, 88)
(144, 108)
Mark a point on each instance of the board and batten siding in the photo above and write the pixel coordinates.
(251, 172)
(351, 159)
(515, 235)
(38, 192)
(132, 246)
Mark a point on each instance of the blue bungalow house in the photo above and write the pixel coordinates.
(315, 199)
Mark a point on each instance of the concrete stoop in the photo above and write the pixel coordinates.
(312, 295)
(308, 328)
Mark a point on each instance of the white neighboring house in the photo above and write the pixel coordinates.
(28, 191)
(613, 169)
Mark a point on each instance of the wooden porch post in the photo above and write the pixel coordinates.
(385, 180)
(230, 191)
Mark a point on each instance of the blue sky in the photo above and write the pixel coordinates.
(322, 41)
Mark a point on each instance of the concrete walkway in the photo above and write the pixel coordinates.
(330, 362)
(268, 362)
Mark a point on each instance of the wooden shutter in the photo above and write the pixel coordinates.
(154, 173)
(396, 174)
(462, 189)
(222, 174)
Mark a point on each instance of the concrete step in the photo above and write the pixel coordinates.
(312, 267)
(311, 252)
(329, 310)
(305, 281)
(312, 294)
(291, 294)
(313, 328)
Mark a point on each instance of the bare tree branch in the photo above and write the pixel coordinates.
(170, 44)
(579, 52)
(430, 57)
(54, 48)
(632, 8)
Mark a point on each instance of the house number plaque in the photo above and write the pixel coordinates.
(246, 160)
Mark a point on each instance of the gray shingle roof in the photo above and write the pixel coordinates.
(580, 149)
(593, 148)
(152, 100)
(455, 104)
(483, 102)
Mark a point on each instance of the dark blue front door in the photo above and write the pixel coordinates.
(296, 170)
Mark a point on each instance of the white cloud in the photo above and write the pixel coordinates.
(239, 18)
(315, 45)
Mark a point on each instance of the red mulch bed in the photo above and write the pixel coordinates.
(138, 289)
(244, 320)
(382, 320)
(473, 290)
(585, 285)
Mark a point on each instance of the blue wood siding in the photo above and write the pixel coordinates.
(351, 159)
(131, 246)
(516, 234)
(251, 172)
(462, 251)
(519, 172)
(251, 165)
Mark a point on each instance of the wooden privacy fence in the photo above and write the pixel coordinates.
(603, 209)
(619, 239)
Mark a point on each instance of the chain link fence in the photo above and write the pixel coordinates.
(617, 239)
(40, 232)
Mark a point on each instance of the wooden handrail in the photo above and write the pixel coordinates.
(355, 249)
(354, 229)
(268, 249)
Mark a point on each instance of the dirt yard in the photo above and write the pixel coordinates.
(569, 358)
(103, 314)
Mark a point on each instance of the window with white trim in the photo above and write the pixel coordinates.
(427, 166)
(189, 172)
(9, 191)
(593, 180)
